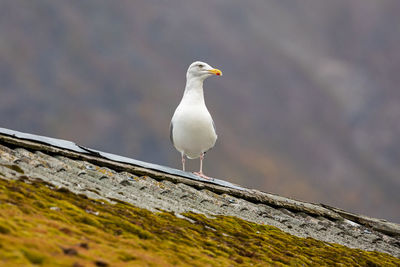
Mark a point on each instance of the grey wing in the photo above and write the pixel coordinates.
(215, 129)
(171, 135)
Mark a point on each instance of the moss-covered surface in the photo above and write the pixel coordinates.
(42, 226)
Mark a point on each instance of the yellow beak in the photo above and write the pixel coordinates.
(216, 72)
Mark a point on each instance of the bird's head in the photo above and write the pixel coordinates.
(201, 70)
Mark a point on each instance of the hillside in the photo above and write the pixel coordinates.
(308, 106)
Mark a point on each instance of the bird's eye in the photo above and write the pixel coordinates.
(200, 66)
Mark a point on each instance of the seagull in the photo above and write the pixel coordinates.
(192, 129)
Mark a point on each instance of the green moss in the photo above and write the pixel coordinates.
(88, 220)
(33, 256)
(13, 167)
(36, 222)
(126, 257)
(4, 229)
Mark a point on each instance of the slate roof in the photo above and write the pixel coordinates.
(102, 175)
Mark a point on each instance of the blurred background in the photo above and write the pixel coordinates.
(308, 107)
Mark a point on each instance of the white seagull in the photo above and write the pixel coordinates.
(192, 130)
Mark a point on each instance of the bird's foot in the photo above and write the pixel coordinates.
(202, 175)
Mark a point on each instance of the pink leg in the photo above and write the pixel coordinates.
(200, 173)
(183, 162)
(201, 162)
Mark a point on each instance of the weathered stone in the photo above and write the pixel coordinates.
(100, 178)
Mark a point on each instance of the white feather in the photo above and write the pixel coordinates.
(193, 131)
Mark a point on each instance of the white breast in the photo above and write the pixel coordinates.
(193, 131)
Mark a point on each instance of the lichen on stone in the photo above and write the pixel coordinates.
(41, 225)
